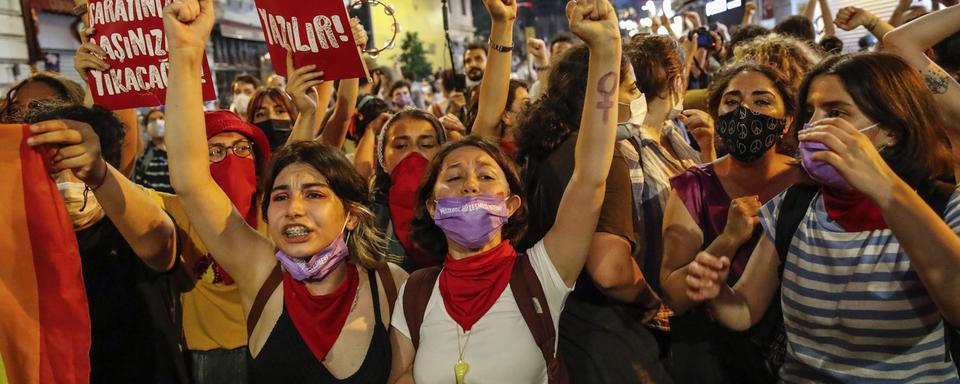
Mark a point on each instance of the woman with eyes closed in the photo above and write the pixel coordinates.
(471, 207)
(408, 141)
(713, 207)
(317, 298)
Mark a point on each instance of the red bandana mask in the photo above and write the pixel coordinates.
(852, 210)
(237, 176)
(470, 286)
(405, 179)
(320, 319)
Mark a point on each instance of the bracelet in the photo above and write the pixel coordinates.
(539, 68)
(106, 172)
(501, 48)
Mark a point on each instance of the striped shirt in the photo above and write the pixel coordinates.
(651, 169)
(854, 310)
(151, 170)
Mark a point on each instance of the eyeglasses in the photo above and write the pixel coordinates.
(218, 152)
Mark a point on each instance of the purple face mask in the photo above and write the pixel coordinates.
(318, 266)
(821, 171)
(403, 101)
(471, 221)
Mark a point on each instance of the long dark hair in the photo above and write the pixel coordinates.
(366, 243)
(891, 93)
(553, 118)
(427, 234)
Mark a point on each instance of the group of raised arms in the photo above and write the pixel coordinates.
(691, 203)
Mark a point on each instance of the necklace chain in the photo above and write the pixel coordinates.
(461, 349)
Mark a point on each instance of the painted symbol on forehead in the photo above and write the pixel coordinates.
(607, 91)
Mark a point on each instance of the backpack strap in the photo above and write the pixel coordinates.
(270, 285)
(416, 295)
(936, 194)
(528, 293)
(389, 284)
(792, 210)
(140, 170)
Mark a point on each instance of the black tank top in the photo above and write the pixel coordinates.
(286, 358)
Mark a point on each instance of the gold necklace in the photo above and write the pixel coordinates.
(461, 368)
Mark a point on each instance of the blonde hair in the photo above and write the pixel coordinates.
(791, 56)
(366, 242)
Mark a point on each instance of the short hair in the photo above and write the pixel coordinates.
(397, 85)
(562, 37)
(797, 26)
(831, 45)
(476, 45)
(145, 119)
(107, 126)
(245, 78)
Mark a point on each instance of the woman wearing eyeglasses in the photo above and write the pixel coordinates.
(214, 325)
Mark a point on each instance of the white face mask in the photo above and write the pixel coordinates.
(638, 112)
(80, 215)
(240, 103)
(677, 108)
(156, 128)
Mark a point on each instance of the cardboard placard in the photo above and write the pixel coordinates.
(131, 33)
(318, 33)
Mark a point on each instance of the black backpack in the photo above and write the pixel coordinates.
(797, 201)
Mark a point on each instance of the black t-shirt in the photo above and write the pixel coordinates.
(545, 185)
(132, 324)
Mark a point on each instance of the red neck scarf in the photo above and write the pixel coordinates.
(405, 179)
(852, 210)
(319, 319)
(470, 286)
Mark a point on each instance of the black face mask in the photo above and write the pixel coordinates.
(277, 132)
(747, 135)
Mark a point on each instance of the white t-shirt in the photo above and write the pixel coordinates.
(501, 348)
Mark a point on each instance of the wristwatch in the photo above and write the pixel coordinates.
(501, 48)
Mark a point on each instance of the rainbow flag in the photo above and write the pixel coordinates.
(44, 318)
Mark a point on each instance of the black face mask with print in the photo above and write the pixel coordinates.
(747, 135)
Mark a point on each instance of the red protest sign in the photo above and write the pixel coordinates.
(318, 33)
(131, 33)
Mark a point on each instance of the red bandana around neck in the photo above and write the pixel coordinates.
(852, 210)
(319, 319)
(405, 179)
(470, 286)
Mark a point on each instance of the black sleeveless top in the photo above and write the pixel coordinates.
(286, 358)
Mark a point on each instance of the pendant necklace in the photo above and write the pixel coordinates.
(461, 368)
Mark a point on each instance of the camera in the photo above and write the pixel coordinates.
(704, 38)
